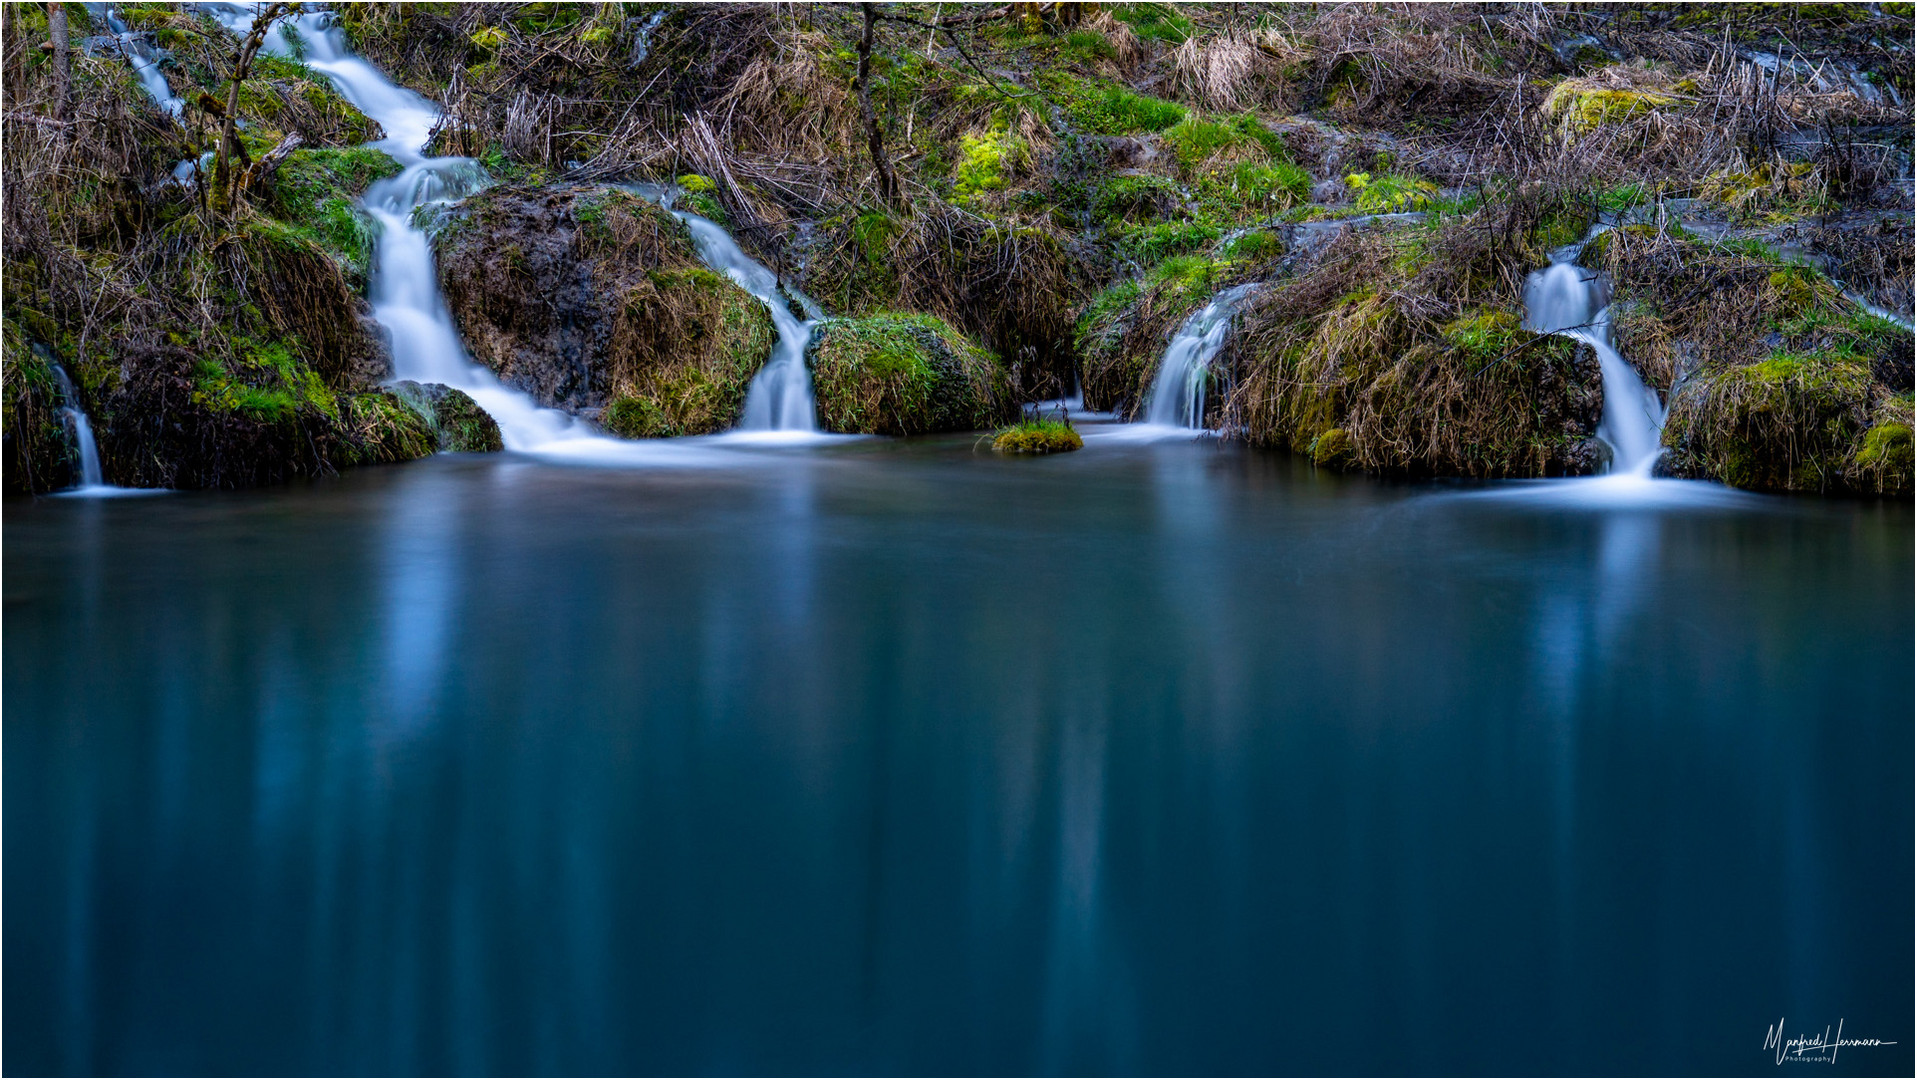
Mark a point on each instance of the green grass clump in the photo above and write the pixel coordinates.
(1155, 22)
(1153, 243)
(1135, 198)
(683, 351)
(1037, 437)
(1115, 110)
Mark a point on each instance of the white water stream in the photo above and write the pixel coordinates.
(1564, 298)
(90, 474)
(780, 397)
(92, 483)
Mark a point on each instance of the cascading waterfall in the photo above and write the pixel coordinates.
(142, 59)
(1178, 390)
(405, 289)
(91, 476)
(1565, 298)
(779, 398)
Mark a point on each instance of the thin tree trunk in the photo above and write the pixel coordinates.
(874, 138)
(230, 147)
(62, 59)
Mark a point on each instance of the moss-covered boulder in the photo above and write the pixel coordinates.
(459, 425)
(684, 348)
(895, 374)
(1776, 381)
(593, 300)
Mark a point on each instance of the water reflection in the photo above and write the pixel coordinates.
(898, 758)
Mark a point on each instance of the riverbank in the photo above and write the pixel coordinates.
(990, 208)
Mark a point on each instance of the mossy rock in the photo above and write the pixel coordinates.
(316, 194)
(685, 346)
(459, 425)
(899, 374)
(384, 429)
(1788, 422)
(1038, 437)
(1580, 108)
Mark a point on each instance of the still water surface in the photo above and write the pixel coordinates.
(900, 757)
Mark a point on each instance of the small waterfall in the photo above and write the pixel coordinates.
(91, 477)
(1564, 298)
(140, 56)
(1178, 390)
(780, 396)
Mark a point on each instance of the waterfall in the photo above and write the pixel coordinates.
(1178, 390)
(1564, 298)
(780, 396)
(141, 57)
(405, 289)
(90, 474)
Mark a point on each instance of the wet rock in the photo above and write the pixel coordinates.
(459, 425)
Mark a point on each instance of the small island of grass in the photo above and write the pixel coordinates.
(1037, 437)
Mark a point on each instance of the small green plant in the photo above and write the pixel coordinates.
(1037, 436)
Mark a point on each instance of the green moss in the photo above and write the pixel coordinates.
(1789, 422)
(899, 374)
(1484, 336)
(1332, 447)
(1390, 193)
(1580, 110)
(983, 162)
(1886, 446)
(315, 193)
(1037, 437)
